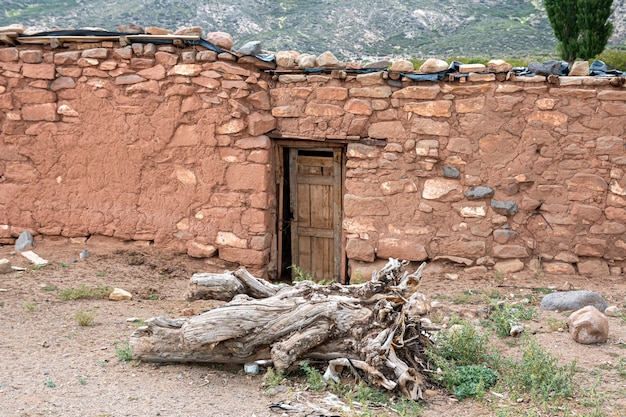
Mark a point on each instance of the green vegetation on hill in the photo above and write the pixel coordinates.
(419, 28)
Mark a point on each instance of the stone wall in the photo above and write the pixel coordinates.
(171, 146)
(479, 172)
(157, 144)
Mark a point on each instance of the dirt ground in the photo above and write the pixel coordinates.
(49, 365)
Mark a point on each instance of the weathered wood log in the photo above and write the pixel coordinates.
(372, 327)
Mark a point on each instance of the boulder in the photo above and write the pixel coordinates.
(251, 48)
(402, 66)
(588, 326)
(545, 68)
(306, 61)
(328, 60)
(580, 69)
(498, 65)
(119, 294)
(25, 241)
(5, 266)
(433, 65)
(572, 300)
(221, 39)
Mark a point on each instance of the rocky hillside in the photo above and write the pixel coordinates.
(418, 28)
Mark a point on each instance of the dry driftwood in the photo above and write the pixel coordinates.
(372, 328)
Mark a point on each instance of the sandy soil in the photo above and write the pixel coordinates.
(49, 365)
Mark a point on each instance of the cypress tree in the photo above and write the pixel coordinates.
(581, 26)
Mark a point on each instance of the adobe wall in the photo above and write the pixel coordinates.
(170, 146)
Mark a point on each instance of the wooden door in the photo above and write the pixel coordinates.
(315, 200)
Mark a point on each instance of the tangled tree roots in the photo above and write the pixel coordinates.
(371, 328)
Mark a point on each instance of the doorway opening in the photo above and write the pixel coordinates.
(310, 241)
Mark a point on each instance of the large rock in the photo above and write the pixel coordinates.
(580, 68)
(572, 300)
(25, 241)
(119, 294)
(221, 39)
(588, 326)
(433, 65)
(5, 266)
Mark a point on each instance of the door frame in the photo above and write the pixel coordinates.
(282, 192)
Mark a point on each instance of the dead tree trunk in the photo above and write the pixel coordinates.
(372, 328)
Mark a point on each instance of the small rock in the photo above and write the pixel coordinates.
(133, 319)
(509, 266)
(433, 65)
(84, 254)
(516, 330)
(545, 68)
(613, 311)
(285, 59)
(188, 312)
(498, 65)
(452, 277)
(588, 326)
(506, 208)
(25, 241)
(402, 66)
(430, 393)
(191, 30)
(130, 28)
(221, 39)
(306, 61)
(251, 48)
(580, 69)
(377, 65)
(572, 300)
(450, 172)
(119, 294)
(5, 266)
(477, 193)
(328, 60)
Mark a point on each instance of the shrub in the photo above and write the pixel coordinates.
(85, 292)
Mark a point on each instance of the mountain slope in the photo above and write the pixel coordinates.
(491, 28)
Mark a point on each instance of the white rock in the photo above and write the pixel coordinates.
(433, 65)
(588, 326)
(5, 266)
(613, 311)
(285, 59)
(402, 66)
(306, 61)
(119, 294)
(328, 60)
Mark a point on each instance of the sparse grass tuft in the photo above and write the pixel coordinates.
(123, 351)
(85, 317)
(50, 288)
(28, 306)
(49, 383)
(315, 381)
(273, 377)
(85, 292)
(504, 316)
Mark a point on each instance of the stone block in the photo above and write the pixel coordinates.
(593, 268)
(473, 249)
(200, 250)
(385, 130)
(417, 92)
(245, 257)
(371, 92)
(432, 65)
(5, 266)
(442, 190)
(62, 83)
(259, 124)
(505, 208)
(503, 236)
(247, 177)
(358, 106)
(9, 54)
(331, 93)
(469, 105)
(43, 71)
(231, 127)
(260, 100)
(401, 248)
(440, 108)
(509, 266)
(222, 39)
(360, 250)
(355, 206)
(324, 110)
(477, 193)
(328, 60)
(402, 66)
(426, 126)
(558, 268)
(471, 210)
(39, 112)
(230, 239)
(509, 251)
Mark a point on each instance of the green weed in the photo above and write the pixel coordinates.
(63, 265)
(504, 316)
(123, 351)
(28, 306)
(273, 377)
(539, 373)
(50, 288)
(154, 297)
(85, 292)
(38, 267)
(49, 383)
(315, 381)
(82, 380)
(621, 368)
(85, 317)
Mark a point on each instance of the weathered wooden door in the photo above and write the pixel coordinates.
(315, 200)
